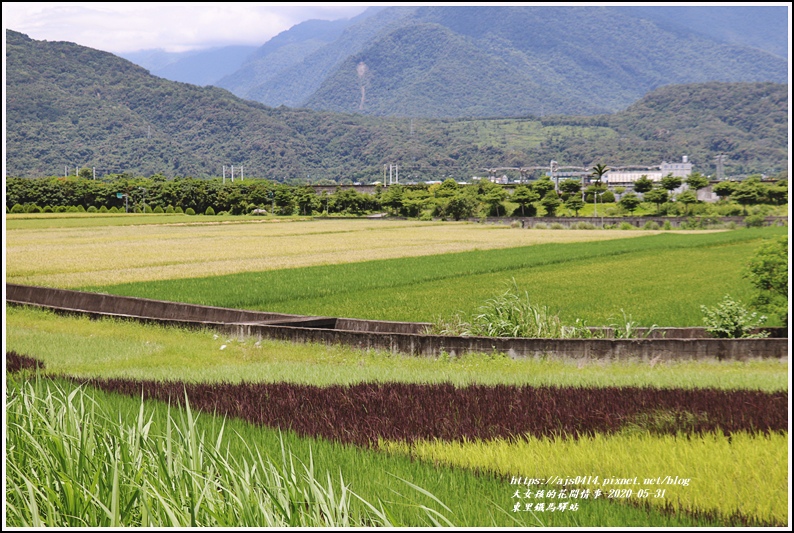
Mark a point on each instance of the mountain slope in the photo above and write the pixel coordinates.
(276, 81)
(68, 106)
(532, 60)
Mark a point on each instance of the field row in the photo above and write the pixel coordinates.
(121, 349)
(682, 472)
(93, 255)
(366, 413)
(54, 426)
(660, 279)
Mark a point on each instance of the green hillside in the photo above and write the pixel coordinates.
(477, 61)
(70, 106)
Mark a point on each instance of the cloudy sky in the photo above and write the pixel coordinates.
(120, 27)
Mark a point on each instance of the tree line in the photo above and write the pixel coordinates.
(449, 199)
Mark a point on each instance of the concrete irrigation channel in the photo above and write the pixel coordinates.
(400, 337)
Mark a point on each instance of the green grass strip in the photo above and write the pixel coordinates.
(114, 348)
(684, 270)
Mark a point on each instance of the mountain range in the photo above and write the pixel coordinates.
(71, 106)
(477, 61)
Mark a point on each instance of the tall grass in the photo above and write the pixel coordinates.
(567, 278)
(111, 348)
(70, 463)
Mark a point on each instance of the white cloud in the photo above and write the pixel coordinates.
(174, 26)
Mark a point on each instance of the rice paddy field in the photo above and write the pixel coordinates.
(114, 423)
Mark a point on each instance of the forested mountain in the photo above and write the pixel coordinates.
(475, 61)
(70, 106)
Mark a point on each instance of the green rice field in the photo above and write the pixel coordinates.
(81, 455)
(659, 279)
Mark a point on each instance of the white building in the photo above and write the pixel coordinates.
(628, 177)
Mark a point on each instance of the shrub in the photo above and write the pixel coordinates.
(608, 197)
(34, 209)
(223, 213)
(426, 217)
(651, 225)
(158, 210)
(147, 209)
(17, 209)
(103, 209)
(754, 221)
(91, 209)
(72, 209)
(626, 226)
(209, 211)
(667, 225)
(768, 272)
(47, 209)
(169, 210)
(80, 209)
(541, 225)
(178, 209)
(731, 320)
(583, 225)
(190, 211)
(114, 209)
(556, 225)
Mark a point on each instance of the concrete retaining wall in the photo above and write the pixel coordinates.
(530, 222)
(107, 304)
(614, 349)
(398, 337)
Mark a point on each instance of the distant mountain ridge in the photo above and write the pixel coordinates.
(70, 106)
(506, 61)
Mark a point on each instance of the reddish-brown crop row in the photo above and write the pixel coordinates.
(16, 362)
(363, 413)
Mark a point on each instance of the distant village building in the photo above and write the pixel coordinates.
(628, 177)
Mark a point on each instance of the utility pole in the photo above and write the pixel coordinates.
(93, 170)
(720, 171)
(232, 173)
(224, 174)
(242, 174)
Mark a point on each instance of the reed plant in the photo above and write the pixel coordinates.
(70, 463)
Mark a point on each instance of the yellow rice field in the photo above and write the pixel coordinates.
(69, 257)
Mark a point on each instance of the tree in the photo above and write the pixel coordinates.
(525, 197)
(447, 189)
(643, 184)
(630, 202)
(697, 181)
(570, 187)
(306, 199)
(460, 206)
(493, 199)
(551, 202)
(778, 193)
(724, 189)
(687, 198)
(597, 174)
(747, 193)
(671, 182)
(575, 204)
(543, 186)
(657, 196)
(392, 198)
(768, 272)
